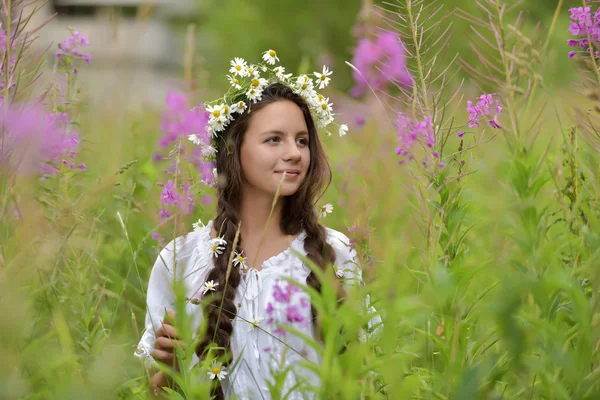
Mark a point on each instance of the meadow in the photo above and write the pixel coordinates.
(467, 182)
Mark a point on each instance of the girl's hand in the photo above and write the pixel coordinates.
(166, 340)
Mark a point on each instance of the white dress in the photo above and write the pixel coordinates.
(264, 303)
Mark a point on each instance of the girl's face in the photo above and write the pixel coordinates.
(276, 141)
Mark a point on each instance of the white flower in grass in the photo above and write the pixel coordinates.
(239, 107)
(343, 129)
(239, 260)
(270, 56)
(324, 210)
(216, 246)
(323, 77)
(209, 286)
(338, 272)
(195, 139)
(198, 225)
(217, 370)
(238, 67)
(235, 82)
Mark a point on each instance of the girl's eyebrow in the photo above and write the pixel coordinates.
(278, 132)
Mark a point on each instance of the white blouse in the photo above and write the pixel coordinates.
(264, 302)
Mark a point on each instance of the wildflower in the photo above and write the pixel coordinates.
(239, 107)
(338, 272)
(235, 82)
(280, 73)
(270, 57)
(238, 67)
(343, 129)
(209, 286)
(483, 109)
(69, 48)
(379, 62)
(198, 225)
(324, 210)
(251, 70)
(169, 195)
(239, 260)
(216, 246)
(217, 370)
(254, 94)
(304, 86)
(323, 77)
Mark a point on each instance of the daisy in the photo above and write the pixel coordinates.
(216, 246)
(323, 78)
(214, 111)
(325, 107)
(239, 260)
(270, 56)
(259, 83)
(343, 129)
(304, 85)
(238, 67)
(324, 120)
(252, 70)
(324, 210)
(280, 74)
(198, 225)
(239, 107)
(235, 82)
(254, 94)
(338, 272)
(217, 370)
(255, 324)
(195, 139)
(209, 286)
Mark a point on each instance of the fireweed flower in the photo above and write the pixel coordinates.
(411, 133)
(484, 109)
(175, 198)
(69, 49)
(35, 142)
(380, 61)
(584, 25)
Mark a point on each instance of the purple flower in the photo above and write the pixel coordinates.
(410, 133)
(380, 61)
(483, 109)
(582, 26)
(178, 121)
(169, 194)
(69, 49)
(460, 134)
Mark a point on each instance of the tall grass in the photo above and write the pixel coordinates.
(485, 271)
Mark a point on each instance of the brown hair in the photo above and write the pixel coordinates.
(298, 213)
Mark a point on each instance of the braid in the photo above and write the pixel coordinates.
(221, 309)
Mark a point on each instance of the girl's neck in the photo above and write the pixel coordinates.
(254, 214)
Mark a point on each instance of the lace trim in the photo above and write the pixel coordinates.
(144, 354)
(287, 255)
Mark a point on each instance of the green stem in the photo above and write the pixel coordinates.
(418, 56)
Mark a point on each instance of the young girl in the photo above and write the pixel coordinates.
(272, 150)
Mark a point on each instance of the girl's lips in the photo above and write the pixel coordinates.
(289, 175)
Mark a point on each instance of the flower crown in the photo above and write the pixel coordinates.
(246, 88)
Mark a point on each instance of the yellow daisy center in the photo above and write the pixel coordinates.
(250, 69)
(216, 370)
(238, 67)
(321, 97)
(272, 53)
(255, 82)
(323, 77)
(304, 86)
(216, 113)
(324, 106)
(241, 104)
(226, 109)
(214, 248)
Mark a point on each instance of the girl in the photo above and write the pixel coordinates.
(270, 153)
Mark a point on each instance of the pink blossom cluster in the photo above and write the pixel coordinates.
(584, 27)
(483, 110)
(380, 61)
(35, 142)
(174, 198)
(411, 133)
(290, 308)
(70, 48)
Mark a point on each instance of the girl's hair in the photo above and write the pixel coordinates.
(298, 213)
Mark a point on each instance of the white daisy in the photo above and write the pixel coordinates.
(227, 112)
(323, 78)
(194, 139)
(280, 74)
(239, 260)
(325, 107)
(304, 86)
(254, 94)
(235, 82)
(252, 70)
(270, 56)
(217, 370)
(198, 225)
(238, 67)
(217, 124)
(214, 111)
(324, 210)
(343, 129)
(209, 286)
(256, 323)
(239, 107)
(216, 246)
(338, 272)
(324, 120)
(259, 83)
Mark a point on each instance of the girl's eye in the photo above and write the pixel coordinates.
(302, 141)
(272, 139)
